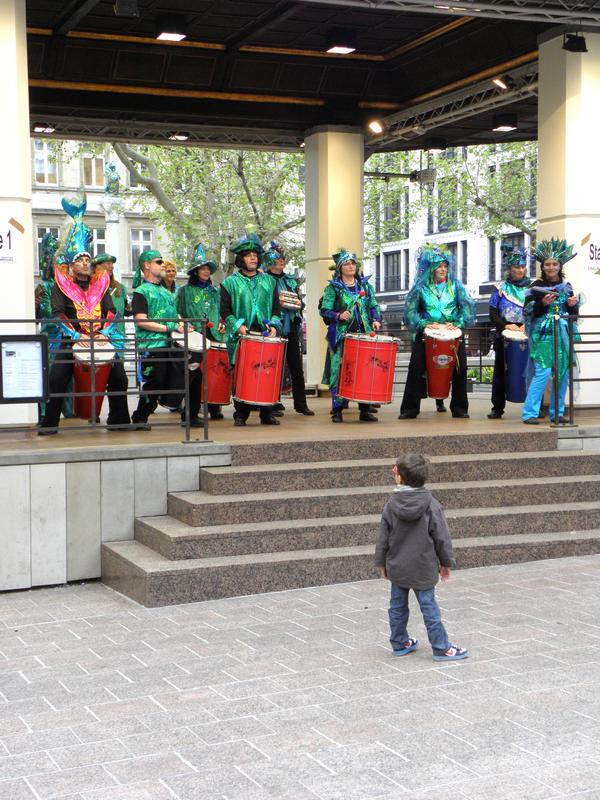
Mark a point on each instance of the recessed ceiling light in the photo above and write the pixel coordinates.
(504, 123)
(171, 28)
(500, 83)
(341, 41)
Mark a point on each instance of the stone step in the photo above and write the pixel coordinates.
(199, 508)
(152, 580)
(382, 446)
(176, 541)
(376, 471)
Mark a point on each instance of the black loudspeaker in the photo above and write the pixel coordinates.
(126, 8)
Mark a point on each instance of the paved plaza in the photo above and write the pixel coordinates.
(296, 696)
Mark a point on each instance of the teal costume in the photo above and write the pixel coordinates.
(338, 297)
(118, 294)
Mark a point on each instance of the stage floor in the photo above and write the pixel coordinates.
(293, 427)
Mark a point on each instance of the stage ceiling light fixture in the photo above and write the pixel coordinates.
(435, 144)
(171, 28)
(341, 41)
(574, 43)
(504, 123)
(43, 127)
(503, 82)
(126, 8)
(179, 136)
(375, 126)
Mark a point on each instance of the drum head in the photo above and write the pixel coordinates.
(103, 352)
(514, 336)
(443, 334)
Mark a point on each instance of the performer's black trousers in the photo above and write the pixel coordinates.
(167, 373)
(62, 372)
(195, 389)
(293, 357)
(498, 379)
(242, 410)
(416, 380)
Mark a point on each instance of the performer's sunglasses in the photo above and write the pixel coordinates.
(158, 261)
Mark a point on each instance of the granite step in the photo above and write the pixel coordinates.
(199, 508)
(152, 580)
(382, 446)
(376, 471)
(176, 540)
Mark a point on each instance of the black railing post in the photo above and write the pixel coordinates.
(93, 368)
(570, 328)
(186, 381)
(204, 383)
(555, 375)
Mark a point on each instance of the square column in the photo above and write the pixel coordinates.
(334, 158)
(569, 175)
(16, 252)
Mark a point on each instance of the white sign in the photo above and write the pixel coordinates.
(22, 369)
(590, 252)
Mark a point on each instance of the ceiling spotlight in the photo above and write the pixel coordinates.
(171, 28)
(504, 123)
(375, 126)
(435, 145)
(126, 8)
(302, 144)
(179, 136)
(341, 41)
(43, 127)
(574, 43)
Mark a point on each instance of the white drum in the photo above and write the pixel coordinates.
(442, 334)
(514, 336)
(194, 339)
(104, 351)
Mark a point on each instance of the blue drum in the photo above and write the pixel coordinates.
(516, 354)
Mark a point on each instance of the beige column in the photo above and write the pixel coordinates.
(569, 175)
(334, 218)
(16, 251)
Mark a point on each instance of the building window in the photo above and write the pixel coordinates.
(93, 170)
(392, 274)
(491, 259)
(141, 239)
(447, 215)
(99, 240)
(464, 264)
(451, 248)
(395, 218)
(406, 257)
(42, 230)
(45, 168)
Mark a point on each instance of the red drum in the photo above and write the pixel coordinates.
(104, 354)
(258, 370)
(441, 356)
(367, 368)
(218, 375)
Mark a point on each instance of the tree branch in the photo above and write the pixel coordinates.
(128, 155)
(239, 170)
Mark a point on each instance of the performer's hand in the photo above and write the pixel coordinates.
(451, 326)
(445, 573)
(242, 330)
(548, 298)
(512, 327)
(344, 316)
(433, 325)
(376, 325)
(272, 331)
(383, 572)
(572, 301)
(83, 341)
(221, 327)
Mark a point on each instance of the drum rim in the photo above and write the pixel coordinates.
(446, 338)
(510, 335)
(258, 337)
(368, 338)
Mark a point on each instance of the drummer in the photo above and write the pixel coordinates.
(506, 313)
(200, 300)
(436, 300)
(160, 367)
(249, 302)
(79, 295)
(548, 296)
(291, 324)
(348, 306)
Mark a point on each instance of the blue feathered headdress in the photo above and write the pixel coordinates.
(48, 247)
(79, 238)
(557, 249)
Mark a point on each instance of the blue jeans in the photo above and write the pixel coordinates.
(432, 617)
(535, 393)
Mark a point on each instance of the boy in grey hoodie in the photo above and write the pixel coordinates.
(413, 549)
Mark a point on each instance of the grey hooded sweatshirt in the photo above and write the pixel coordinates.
(414, 539)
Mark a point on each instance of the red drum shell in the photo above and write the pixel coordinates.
(218, 375)
(440, 358)
(367, 368)
(82, 381)
(258, 370)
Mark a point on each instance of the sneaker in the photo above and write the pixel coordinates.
(409, 646)
(531, 421)
(453, 653)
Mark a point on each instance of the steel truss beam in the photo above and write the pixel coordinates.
(451, 108)
(558, 12)
(137, 132)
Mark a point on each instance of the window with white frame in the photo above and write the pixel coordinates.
(45, 168)
(93, 170)
(141, 239)
(42, 230)
(99, 240)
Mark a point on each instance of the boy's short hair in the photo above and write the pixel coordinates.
(413, 468)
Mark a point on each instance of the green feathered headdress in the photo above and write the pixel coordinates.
(341, 257)
(556, 249)
(247, 244)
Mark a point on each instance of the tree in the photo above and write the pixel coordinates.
(215, 195)
(487, 189)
